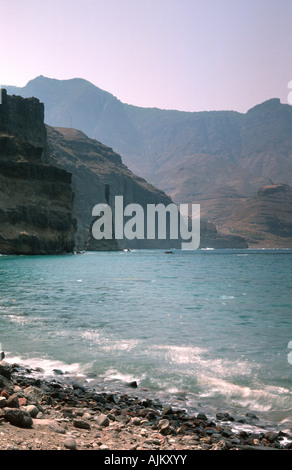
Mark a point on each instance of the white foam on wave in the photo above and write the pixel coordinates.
(45, 365)
(258, 399)
(108, 343)
(198, 360)
(116, 375)
(179, 354)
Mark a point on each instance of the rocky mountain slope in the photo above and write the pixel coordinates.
(98, 175)
(35, 197)
(265, 219)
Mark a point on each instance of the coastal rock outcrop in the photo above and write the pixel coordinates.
(35, 197)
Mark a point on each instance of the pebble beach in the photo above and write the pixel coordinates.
(58, 414)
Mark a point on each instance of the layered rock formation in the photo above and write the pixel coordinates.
(35, 197)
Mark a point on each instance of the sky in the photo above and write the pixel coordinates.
(189, 55)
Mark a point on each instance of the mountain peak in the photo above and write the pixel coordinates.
(42, 78)
(268, 105)
(70, 84)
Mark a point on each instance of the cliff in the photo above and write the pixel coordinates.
(35, 197)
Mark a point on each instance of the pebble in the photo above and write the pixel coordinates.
(80, 423)
(70, 443)
(167, 410)
(3, 402)
(32, 410)
(12, 401)
(102, 420)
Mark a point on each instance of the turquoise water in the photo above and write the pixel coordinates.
(205, 329)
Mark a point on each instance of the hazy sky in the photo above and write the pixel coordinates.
(189, 55)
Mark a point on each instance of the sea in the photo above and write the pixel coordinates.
(205, 330)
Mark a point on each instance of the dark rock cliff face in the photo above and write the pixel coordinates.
(35, 197)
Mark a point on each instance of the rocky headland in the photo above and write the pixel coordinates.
(65, 413)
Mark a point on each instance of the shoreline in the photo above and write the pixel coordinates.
(53, 414)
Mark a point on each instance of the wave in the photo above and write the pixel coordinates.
(123, 377)
(198, 360)
(263, 398)
(45, 366)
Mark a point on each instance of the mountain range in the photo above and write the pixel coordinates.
(219, 159)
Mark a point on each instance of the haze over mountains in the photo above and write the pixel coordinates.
(219, 159)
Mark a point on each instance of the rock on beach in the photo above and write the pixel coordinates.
(17, 417)
(59, 414)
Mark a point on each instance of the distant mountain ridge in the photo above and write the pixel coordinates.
(218, 159)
